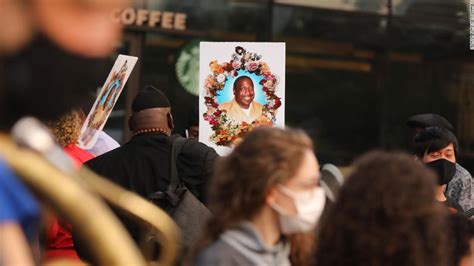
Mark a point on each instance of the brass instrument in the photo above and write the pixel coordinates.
(92, 218)
(141, 210)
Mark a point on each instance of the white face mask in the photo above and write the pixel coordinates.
(309, 207)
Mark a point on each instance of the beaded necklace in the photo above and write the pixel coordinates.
(150, 130)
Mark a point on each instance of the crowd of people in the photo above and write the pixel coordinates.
(266, 202)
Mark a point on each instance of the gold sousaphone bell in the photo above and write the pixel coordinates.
(78, 196)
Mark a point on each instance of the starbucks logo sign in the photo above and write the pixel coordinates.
(187, 67)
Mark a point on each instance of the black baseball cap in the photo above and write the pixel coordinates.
(429, 120)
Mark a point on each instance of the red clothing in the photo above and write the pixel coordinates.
(79, 155)
(59, 239)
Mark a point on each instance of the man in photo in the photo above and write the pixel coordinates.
(243, 108)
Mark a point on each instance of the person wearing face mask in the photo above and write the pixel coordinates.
(386, 214)
(461, 187)
(264, 192)
(437, 147)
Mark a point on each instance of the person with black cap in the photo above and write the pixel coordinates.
(437, 147)
(142, 165)
(460, 188)
(421, 121)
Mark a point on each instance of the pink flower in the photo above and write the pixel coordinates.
(270, 77)
(252, 66)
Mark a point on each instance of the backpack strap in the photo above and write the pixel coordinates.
(172, 196)
(176, 147)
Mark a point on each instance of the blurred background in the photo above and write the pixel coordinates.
(355, 69)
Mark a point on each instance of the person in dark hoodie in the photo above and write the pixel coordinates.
(461, 187)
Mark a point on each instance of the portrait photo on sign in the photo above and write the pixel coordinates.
(242, 86)
(106, 100)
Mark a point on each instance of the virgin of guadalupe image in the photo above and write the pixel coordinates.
(105, 104)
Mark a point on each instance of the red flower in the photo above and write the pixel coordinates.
(277, 102)
(228, 67)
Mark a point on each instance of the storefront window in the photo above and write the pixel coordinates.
(356, 69)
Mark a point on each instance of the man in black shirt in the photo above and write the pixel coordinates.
(143, 164)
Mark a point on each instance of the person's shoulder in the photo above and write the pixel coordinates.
(219, 253)
(225, 105)
(194, 145)
(257, 105)
(462, 172)
(107, 157)
(78, 153)
(16, 201)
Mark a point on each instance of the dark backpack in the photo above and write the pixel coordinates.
(186, 210)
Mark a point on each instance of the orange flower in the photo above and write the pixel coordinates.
(265, 69)
(216, 68)
(263, 120)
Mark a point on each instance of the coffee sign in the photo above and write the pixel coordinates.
(151, 18)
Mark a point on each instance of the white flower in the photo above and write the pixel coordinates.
(271, 103)
(221, 78)
(236, 57)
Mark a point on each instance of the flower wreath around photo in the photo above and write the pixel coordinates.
(225, 130)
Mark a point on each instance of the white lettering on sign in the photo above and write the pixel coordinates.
(151, 18)
(128, 16)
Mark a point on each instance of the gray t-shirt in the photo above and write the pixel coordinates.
(243, 246)
(461, 189)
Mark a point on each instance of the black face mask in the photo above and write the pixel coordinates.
(444, 169)
(45, 81)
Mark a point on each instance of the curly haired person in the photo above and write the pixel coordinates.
(66, 130)
(386, 214)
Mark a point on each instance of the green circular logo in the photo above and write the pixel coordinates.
(187, 67)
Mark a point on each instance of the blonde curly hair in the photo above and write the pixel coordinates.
(67, 128)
